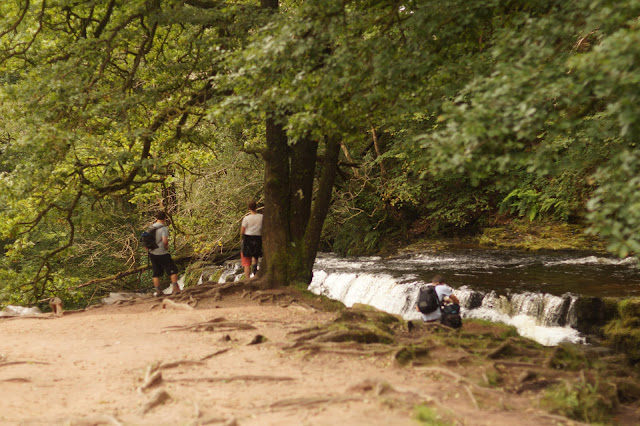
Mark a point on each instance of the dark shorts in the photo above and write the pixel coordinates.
(252, 246)
(161, 263)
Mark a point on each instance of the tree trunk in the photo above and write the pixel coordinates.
(320, 207)
(275, 233)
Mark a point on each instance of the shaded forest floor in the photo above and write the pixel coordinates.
(267, 358)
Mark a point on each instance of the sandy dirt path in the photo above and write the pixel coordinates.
(86, 368)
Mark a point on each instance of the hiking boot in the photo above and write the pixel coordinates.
(175, 289)
(157, 293)
(254, 269)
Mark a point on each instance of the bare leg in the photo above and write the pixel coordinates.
(174, 284)
(56, 305)
(247, 272)
(156, 285)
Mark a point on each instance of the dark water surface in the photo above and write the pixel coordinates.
(506, 271)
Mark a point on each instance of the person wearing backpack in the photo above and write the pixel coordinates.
(161, 260)
(431, 298)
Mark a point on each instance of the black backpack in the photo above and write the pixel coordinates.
(148, 238)
(428, 300)
(451, 316)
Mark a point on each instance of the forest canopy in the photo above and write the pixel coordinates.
(372, 117)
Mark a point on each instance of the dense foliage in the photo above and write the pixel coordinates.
(449, 114)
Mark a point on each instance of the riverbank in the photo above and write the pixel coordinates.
(280, 358)
(519, 235)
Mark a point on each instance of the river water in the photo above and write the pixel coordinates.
(533, 291)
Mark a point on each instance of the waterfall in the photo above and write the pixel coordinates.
(542, 317)
(535, 292)
(378, 290)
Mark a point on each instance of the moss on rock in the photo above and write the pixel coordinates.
(623, 333)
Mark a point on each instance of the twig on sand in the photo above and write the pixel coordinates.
(40, 316)
(17, 380)
(471, 396)
(94, 421)
(220, 352)
(247, 378)
(4, 364)
(158, 398)
(175, 364)
(216, 324)
(152, 377)
(305, 402)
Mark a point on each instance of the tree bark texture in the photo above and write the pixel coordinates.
(292, 228)
(275, 233)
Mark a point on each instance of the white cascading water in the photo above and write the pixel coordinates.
(392, 285)
(536, 316)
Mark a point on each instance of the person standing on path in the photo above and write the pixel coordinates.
(251, 231)
(161, 260)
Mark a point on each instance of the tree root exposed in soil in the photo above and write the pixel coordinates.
(341, 349)
(214, 291)
(216, 324)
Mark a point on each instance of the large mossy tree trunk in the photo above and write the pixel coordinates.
(292, 219)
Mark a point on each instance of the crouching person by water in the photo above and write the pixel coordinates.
(437, 302)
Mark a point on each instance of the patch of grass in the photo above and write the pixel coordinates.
(494, 378)
(567, 357)
(427, 416)
(583, 401)
(474, 328)
(410, 353)
(322, 303)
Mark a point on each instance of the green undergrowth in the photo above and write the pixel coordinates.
(584, 400)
